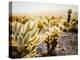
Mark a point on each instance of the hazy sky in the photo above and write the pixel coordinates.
(41, 8)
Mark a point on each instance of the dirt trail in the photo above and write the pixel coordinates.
(67, 44)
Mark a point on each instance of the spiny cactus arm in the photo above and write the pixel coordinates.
(32, 39)
(20, 39)
(40, 24)
(41, 39)
(29, 46)
(33, 25)
(34, 42)
(34, 32)
(14, 28)
(27, 38)
(34, 48)
(27, 26)
(19, 25)
(20, 43)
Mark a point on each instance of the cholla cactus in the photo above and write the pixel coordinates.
(29, 32)
(25, 35)
(69, 15)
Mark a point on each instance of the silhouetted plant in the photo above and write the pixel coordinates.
(69, 15)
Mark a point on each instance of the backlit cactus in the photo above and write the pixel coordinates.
(25, 35)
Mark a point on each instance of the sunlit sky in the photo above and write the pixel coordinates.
(41, 8)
